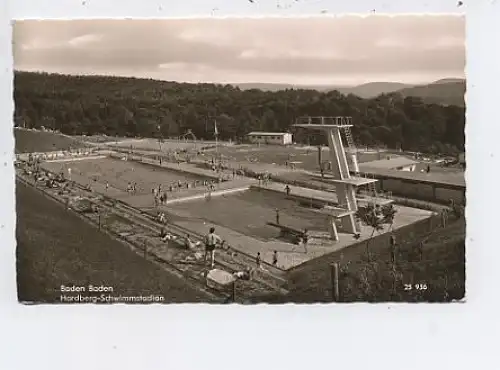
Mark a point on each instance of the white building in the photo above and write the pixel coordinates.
(276, 138)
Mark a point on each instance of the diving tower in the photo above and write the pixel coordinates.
(345, 184)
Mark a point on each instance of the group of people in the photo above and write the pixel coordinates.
(264, 179)
(131, 187)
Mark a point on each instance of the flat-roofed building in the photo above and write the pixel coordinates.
(275, 138)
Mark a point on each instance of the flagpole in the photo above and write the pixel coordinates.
(216, 132)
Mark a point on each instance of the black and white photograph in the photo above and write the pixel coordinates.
(240, 160)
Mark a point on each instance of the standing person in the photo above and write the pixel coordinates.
(107, 186)
(428, 168)
(277, 216)
(258, 260)
(211, 241)
(287, 190)
(275, 258)
(305, 239)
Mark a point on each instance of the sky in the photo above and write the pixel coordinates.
(347, 50)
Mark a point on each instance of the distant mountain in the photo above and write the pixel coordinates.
(444, 92)
(368, 90)
(373, 89)
(447, 91)
(448, 80)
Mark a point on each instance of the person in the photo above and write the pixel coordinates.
(189, 243)
(428, 169)
(163, 218)
(258, 260)
(287, 190)
(305, 239)
(277, 216)
(211, 241)
(275, 258)
(244, 275)
(107, 186)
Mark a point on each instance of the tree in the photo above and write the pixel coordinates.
(375, 217)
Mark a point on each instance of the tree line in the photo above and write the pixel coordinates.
(120, 106)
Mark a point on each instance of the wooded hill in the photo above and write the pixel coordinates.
(449, 91)
(137, 107)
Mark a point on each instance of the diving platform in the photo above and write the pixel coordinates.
(336, 212)
(377, 201)
(354, 181)
(323, 123)
(345, 184)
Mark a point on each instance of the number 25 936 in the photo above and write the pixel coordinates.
(422, 286)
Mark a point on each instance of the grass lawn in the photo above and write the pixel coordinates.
(56, 247)
(40, 141)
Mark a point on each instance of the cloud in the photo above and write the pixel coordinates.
(84, 40)
(295, 50)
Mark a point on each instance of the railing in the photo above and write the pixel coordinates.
(341, 121)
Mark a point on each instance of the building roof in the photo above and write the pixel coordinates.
(254, 133)
(391, 163)
(454, 179)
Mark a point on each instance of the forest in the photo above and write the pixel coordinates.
(133, 107)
